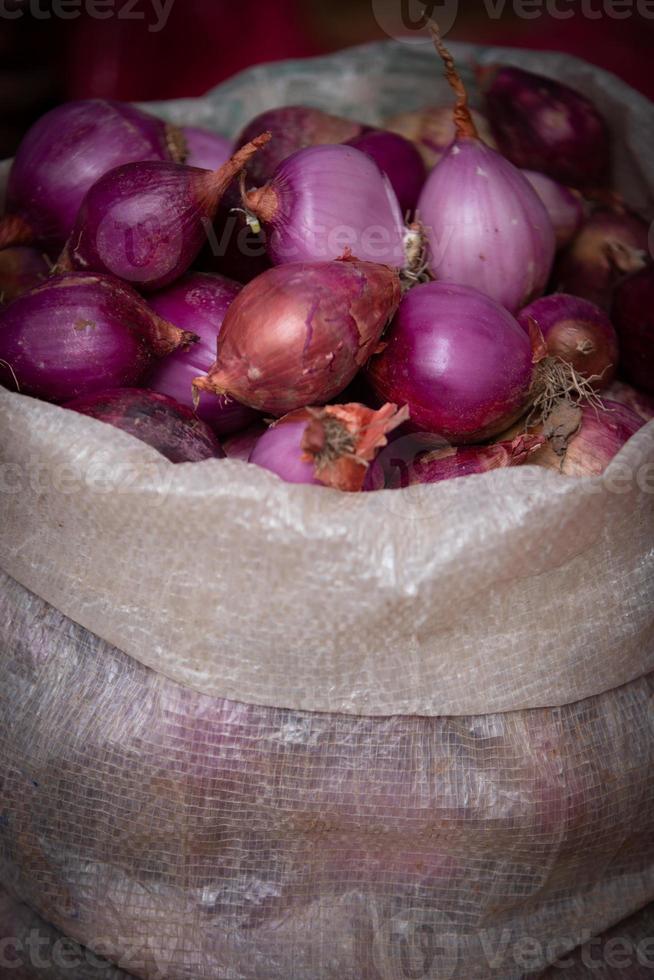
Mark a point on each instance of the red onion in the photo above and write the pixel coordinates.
(145, 222)
(241, 444)
(400, 160)
(485, 224)
(206, 149)
(577, 332)
(329, 446)
(633, 316)
(170, 428)
(325, 199)
(611, 245)
(563, 205)
(459, 360)
(435, 465)
(298, 334)
(583, 441)
(433, 131)
(638, 402)
(293, 127)
(65, 153)
(21, 268)
(78, 334)
(197, 302)
(541, 124)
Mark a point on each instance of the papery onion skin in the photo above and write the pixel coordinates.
(458, 359)
(400, 160)
(146, 222)
(578, 332)
(486, 226)
(298, 334)
(610, 245)
(293, 127)
(633, 316)
(601, 435)
(637, 401)
(325, 199)
(159, 421)
(21, 268)
(197, 302)
(330, 446)
(541, 124)
(432, 130)
(206, 149)
(451, 463)
(67, 150)
(79, 333)
(563, 205)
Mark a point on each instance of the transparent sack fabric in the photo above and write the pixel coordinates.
(191, 837)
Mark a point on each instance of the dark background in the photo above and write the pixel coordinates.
(45, 59)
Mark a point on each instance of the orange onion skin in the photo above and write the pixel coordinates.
(633, 315)
(600, 437)
(298, 334)
(578, 332)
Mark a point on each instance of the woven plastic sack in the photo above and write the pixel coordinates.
(252, 730)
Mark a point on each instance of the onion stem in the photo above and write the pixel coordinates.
(463, 121)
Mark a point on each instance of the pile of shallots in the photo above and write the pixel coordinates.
(464, 288)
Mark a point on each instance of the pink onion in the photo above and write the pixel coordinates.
(611, 245)
(637, 401)
(78, 334)
(298, 334)
(583, 441)
(293, 127)
(170, 428)
(146, 222)
(241, 444)
(633, 316)
(433, 131)
(541, 124)
(399, 159)
(577, 332)
(329, 446)
(325, 199)
(394, 471)
(206, 149)
(486, 226)
(563, 205)
(459, 360)
(65, 153)
(197, 302)
(21, 268)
